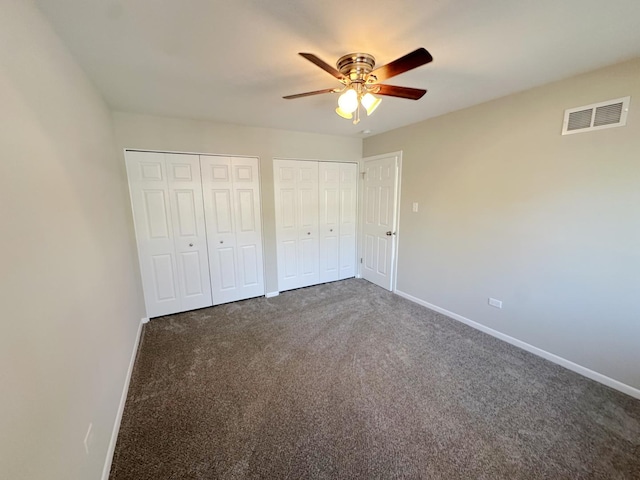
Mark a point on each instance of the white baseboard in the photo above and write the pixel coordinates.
(598, 377)
(272, 294)
(123, 398)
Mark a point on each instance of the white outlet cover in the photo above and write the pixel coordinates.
(415, 206)
(495, 303)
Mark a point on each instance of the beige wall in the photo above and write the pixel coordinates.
(146, 132)
(548, 224)
(508, 208)
(70, 312)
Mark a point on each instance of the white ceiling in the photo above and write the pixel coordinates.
(233, 60)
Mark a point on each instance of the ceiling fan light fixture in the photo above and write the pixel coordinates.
(361, 79)
(348, 101)
(370, 102)
(344, 114)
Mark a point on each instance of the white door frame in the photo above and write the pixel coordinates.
(394, 258)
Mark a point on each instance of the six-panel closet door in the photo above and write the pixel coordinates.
(166, 196)
(199, 232)
(296, 201)
(231, 189)
(338, 217)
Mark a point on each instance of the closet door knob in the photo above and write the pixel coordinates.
(308, 233)
(191, 244)
(331, 229)
(221, 241)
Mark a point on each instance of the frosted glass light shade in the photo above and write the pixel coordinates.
(348, 101)
(344, 114)
(370, 103)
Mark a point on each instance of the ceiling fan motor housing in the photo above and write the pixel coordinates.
(356, 66)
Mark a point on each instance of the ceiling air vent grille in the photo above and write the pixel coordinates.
(597, 116)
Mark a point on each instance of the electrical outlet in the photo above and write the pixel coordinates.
(495, 303)
(415, 206)
(88, 438)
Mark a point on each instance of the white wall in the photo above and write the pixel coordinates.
(509, 208)
(70, 309)
(147, 132)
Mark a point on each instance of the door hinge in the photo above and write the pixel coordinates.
(363, 174)
(361, 260)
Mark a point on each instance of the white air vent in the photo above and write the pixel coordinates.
(612, 113)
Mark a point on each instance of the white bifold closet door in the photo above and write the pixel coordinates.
(316, 215)
(231, 189)
(338, 217)
(166, 196)
(296, 200)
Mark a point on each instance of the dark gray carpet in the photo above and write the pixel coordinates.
(346, 380)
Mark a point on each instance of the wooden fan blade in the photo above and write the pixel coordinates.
(323, 65)
(308, 94)
(403, 64)
(401, 92)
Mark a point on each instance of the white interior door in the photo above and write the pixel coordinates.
(348, 219)
(379, 222)
(296, 201)
(329, 221)
(189, 233)
(231, 188)
(169, 224)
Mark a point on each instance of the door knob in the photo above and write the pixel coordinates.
(308, 233)
(191, 244)
(389, 233)
(331, 229)
(221, 241)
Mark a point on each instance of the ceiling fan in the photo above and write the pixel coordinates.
(360, 81)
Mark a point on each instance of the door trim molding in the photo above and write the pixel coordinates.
(360, 247)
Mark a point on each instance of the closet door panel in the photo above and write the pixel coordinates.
(286, 209)
(246, 190)
(296, 197)
(249, 261)
(286, 202)
(288, 260)
(190, 263)
(348, 219)
(217, 187)
(318, 200)
(163, 278)
(148, 186)
(308, 208)
(308, 259)
(155, 211)
(231, 189)
(189, 235)
(226, 273)
(329, 227)
(308, 241)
